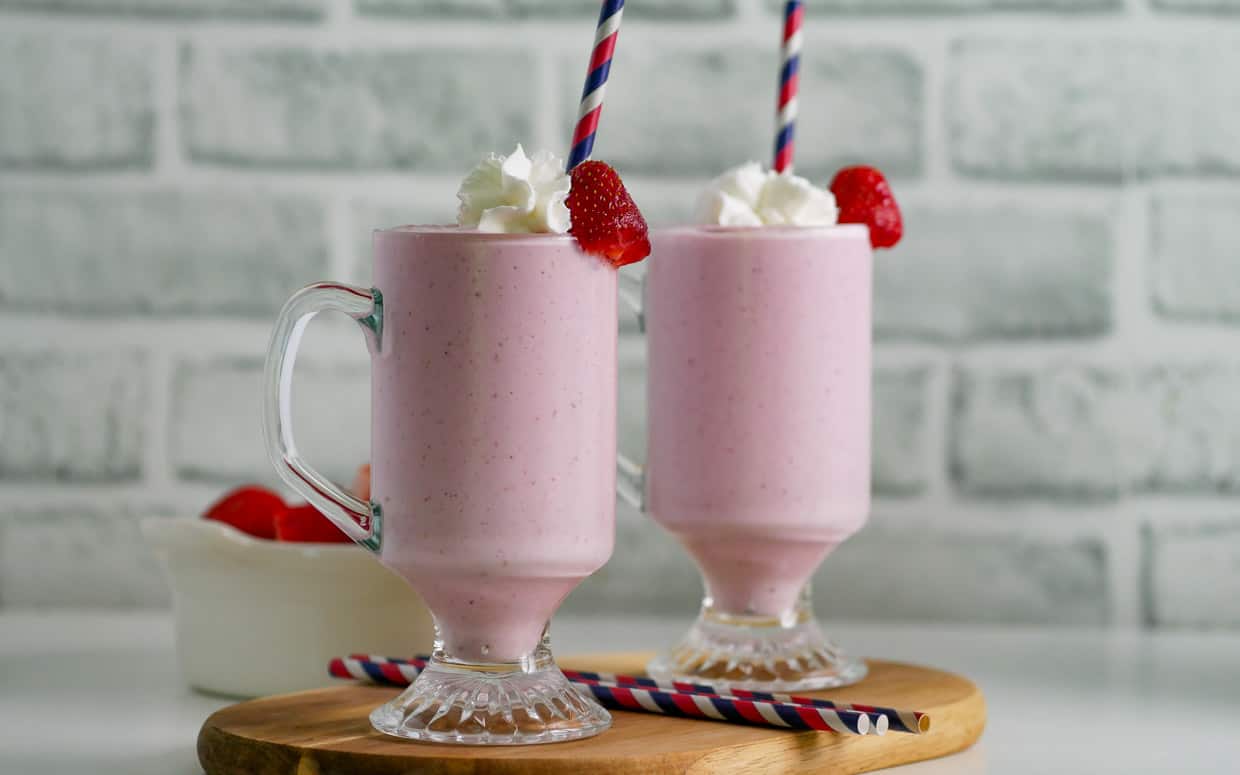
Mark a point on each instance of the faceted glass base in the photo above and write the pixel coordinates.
(785, 653)
(498, 704)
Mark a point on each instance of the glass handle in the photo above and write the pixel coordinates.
(347, 512)
(630, 477)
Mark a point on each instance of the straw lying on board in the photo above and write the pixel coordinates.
(909, 721)
(737, 710)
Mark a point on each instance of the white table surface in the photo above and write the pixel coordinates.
(99, 693)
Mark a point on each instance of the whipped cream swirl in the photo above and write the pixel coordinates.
(516, 194)
(750, 196)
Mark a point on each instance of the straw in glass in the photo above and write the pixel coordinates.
(789, 79)
(605, 37)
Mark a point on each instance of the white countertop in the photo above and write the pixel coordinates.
(99, 693)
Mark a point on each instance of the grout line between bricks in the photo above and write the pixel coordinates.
(1124, 569)
(934, 137)
(169, 162)
(156, 465)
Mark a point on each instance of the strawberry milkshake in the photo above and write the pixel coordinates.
(492, 482)
(493, 508)
(759, 327)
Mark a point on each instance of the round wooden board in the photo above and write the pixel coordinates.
(327, 732)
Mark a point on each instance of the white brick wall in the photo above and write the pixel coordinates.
(1057, 429)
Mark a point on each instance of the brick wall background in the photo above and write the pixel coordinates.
(1058, 370)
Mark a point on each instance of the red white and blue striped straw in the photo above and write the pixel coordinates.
(789, 78)
(737, 710)
(605, 37)
(910, 721)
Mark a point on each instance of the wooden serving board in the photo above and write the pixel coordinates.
(327, 732)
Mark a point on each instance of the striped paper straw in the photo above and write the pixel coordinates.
(789, 72)
(909, 721)
(605, 37)
(912, 722)
(736, 710)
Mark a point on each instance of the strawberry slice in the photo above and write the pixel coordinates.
(606, 221)
(305, 525)
(250, 509)
(864, 196)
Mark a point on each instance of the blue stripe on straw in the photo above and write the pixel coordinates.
(376, 675)
(596, 78)
(729, 711)
(610, 8)
(785, 136)
(790, 68)
(790, 715)
(665, 702)
(581, 151)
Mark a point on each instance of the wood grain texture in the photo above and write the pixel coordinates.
(327, 732)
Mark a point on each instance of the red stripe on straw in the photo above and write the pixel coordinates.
(784, 158)
(587, 125)
(793, 21)
(748, 711)
(811, 717)
(625, 697)
(604, 51)
(337, 669)
(686, 705)
(788, 90)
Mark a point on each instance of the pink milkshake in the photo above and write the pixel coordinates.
(759, 434)
(493, 373)
(493, 435)
(493, 428)
(759, 395)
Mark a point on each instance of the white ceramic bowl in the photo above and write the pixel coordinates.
(257, 617)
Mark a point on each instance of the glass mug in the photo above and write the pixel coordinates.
(758, 448)
(493, 381)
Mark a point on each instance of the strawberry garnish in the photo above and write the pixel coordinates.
(250, 509)
(606, 221)
(305, 525)
(863, 196)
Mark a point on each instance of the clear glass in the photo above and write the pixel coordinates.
(517, 702)
(758, 438)
(786, 653)
(493, 373)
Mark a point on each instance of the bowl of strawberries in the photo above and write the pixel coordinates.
(266, 592)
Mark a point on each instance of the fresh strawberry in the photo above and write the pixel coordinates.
(250, 509)
(863, 196)
(361, 482)
(606, 221)
(305, 525)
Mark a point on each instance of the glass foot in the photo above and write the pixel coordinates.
(503, 704)
(784, 654)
